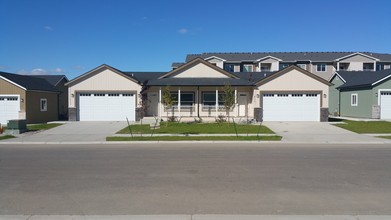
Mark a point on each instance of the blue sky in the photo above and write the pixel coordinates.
(72, 37)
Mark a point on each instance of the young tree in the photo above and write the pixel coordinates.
(228, 98)
(167, 99)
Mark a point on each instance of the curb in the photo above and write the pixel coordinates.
(196, 217)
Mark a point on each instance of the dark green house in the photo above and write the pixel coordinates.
(361, 94)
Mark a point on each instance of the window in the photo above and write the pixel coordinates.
(367, 66)
(229, 67)
(354, 99)
(187, 99)
(321, 67)
(303, 66)
(209, 100)
(266, 67)
(44, 105)
(248, 68)
(283, 66)
(378, 67)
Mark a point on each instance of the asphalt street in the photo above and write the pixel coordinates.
(195, 178)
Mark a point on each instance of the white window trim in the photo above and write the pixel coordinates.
(304, 66)
(45, 107)
(351, 99)
(325, 67)
(248, 65)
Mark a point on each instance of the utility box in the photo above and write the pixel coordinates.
(16, 126)
(258, 114)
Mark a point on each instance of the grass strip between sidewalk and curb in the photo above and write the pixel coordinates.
(366, 127)
(386, 137)
(196, 128)
(36, 127)
(6, 137)
(196, 138)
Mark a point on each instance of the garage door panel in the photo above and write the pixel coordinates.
(385, 105)
(9, 108)
(106, 107)
(291, 107)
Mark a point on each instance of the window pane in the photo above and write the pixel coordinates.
(209, 97)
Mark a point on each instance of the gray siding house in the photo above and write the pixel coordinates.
(361, 94)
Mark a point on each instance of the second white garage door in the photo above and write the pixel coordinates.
(9, 108)
(385, 105)
(291, 107)
(106, 106)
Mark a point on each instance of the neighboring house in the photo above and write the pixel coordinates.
(106, 93)
(322, 64)
(33, 98)
(361, 94)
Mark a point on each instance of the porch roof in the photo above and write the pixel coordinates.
(199, 82)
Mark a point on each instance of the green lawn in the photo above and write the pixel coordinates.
(197, 128)
(367, 127)
(196, 138)
(36, 127)
(6, 137)
(387, 137)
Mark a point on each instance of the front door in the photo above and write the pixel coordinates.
(152, 104)
(242, 101)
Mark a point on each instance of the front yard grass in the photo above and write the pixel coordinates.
(196, 138)
(367, 127)
(36, 127)
(6, 137)
(197, 128)
(387, 137)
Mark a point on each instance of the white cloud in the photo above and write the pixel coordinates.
(48, 28)
(183, 31)
(38, 71)
(58, 70)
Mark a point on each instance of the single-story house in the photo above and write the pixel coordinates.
(361, 94)
(36, 99)
(106, 93)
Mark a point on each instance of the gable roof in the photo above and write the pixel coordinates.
(288, 69)
(361, 79)
(194, 62)
(199, 82)
(288, 56)
(357, 53)
(144, 76)
(100, 68)
(52, 79)
(28, 83)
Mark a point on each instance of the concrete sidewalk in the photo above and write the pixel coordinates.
(73, 132)
(195, 217)
(318, 132)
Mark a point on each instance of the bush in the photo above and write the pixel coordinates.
(221, 119)
(172, 119)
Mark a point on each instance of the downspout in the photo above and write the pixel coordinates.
(339, 102)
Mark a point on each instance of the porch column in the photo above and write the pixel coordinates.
(198, 101)
(160, 102)
(374, 66)
(236, 101)
(217, 101)
(179, 101)
(338, 66)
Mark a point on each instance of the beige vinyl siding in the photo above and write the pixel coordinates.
(330, 70)
(357, 58)
(216, 61)
(199, 71)
(297, 81)
(105, 80)
(11, 89)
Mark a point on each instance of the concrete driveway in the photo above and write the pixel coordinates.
(73, 132)
(318, 132)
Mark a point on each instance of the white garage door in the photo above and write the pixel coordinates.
(106, 106)
(9, 108)
(291, 107)
(385, 105)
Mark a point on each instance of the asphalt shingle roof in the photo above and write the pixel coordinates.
(144, 76)
(199, 82)
(362, 78)
(52, 79)
(286, 56)
(29, 82)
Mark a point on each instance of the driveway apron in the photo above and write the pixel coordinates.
(73, 132)
(318, 132)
